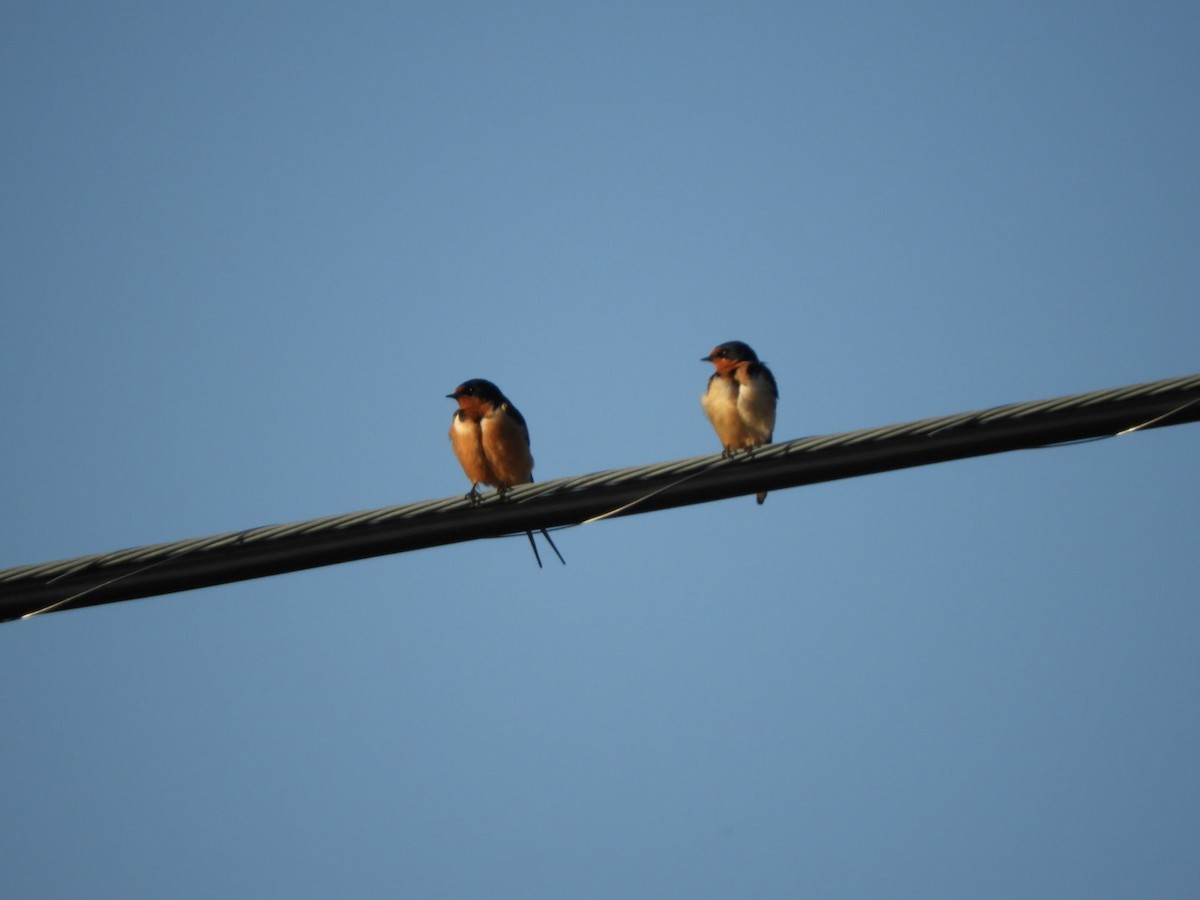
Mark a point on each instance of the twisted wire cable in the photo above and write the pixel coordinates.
(275, 549)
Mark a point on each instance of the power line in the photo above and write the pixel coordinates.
(275, 549)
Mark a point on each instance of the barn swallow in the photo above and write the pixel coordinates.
(740, 399)
(491, 440)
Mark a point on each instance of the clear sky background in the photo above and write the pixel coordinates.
(249, 247)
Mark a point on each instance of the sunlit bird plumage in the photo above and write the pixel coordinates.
(491, 440)
(740, 399)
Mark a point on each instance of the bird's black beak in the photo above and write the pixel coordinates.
(452, 396)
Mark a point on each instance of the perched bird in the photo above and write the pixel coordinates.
(740, 399)
(491, 440)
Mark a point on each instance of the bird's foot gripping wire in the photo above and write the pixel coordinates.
(745, 454)
(732, 453)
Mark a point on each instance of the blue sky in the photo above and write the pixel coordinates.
(247, 250)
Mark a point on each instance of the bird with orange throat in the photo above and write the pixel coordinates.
(491, 440)
(740, 399)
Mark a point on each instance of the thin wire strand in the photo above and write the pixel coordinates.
(95, 587)
(1157, 419)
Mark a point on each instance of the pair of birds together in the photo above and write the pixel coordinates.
(491, 440)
